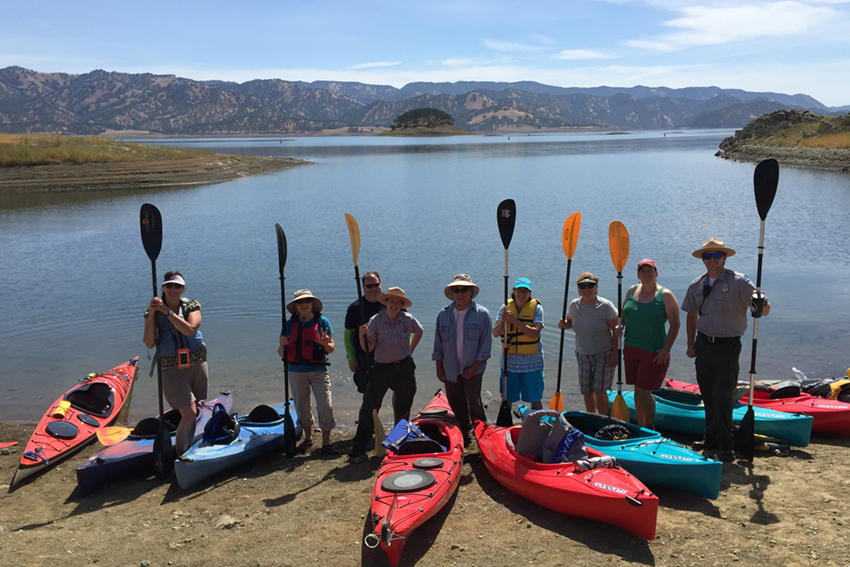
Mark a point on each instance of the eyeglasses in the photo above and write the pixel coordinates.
(586, 285)
(303, 301)
(372, 285)
(715, 255)
(460, 289)
(172, 286)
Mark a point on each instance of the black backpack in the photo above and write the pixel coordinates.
(222, 428)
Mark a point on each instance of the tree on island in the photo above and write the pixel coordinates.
(423, 118)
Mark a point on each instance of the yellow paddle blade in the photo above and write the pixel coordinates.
(354, 234)
(557, 403)
(109, 436)
(619, 409)
(618, 241)
(379, 434)
(570, 235)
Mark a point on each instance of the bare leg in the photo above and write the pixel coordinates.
(590, 402)
(645, 407)
(537, 405)
(602, 402)
(186, 428)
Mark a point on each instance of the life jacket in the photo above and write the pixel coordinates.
(304, 347)
(518, 342)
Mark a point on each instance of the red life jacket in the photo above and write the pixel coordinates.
(304, 347)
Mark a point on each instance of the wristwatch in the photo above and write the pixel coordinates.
(170, 313)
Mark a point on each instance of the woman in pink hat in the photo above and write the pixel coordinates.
(647, 311)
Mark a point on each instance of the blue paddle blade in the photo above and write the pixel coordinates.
(765, 180)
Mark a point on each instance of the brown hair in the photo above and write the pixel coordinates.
(587, 276)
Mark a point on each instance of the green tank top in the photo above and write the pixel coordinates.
(646, 323)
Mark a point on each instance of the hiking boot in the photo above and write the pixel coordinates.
(356, 455)
(720, 455)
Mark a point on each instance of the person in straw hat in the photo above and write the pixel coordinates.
(716, 304)
(308, 337)
(461, 349)
(393, 335)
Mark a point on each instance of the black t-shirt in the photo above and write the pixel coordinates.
(353, 320)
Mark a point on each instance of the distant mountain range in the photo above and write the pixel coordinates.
(100, 101)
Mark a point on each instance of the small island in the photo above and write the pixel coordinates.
(795, 138)
(43, 163)
(425, 122)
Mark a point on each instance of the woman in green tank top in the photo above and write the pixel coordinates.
(647, 310)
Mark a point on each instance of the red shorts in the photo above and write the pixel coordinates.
(641, 371)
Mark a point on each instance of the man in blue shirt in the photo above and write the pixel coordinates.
(461, 349)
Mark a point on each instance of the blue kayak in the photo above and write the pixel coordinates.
(646, 454)
(676, 410)
(260, 431)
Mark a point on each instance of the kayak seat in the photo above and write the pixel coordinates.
(435, 432)
(95, 399)
(150, 425)
(420, 447)
(679, 396)
(790, 391)
(263, 414)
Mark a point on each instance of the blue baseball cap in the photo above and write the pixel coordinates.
(523, 282)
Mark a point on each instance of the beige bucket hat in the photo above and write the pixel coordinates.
(713, 244)
(395, 292)
(461, 280)
(305, 294)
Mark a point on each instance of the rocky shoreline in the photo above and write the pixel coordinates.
(106, 176)
(748, 144)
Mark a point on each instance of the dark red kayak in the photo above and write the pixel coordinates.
(416, 483)
(72, 421)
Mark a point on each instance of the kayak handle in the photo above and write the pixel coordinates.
(371, 541)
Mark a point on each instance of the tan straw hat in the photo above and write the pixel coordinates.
(304, 294)
(398, 293)
(714, 244)
(461, 280)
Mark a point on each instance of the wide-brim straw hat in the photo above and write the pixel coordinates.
(395, 292)
(714, 244)
(305, 294)
(461, 280)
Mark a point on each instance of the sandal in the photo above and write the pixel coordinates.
(304, 445)
(330, 450)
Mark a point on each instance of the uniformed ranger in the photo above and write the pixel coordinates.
(716, 304)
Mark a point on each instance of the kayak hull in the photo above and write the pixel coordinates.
(72, 421)
(829, 417)
(689, 417)
(134, 456)
(204, 459)
(397, 514)
(651, 457)
(609, 495)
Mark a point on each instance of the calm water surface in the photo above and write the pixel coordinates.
(75, 278)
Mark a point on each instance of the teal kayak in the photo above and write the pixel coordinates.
(260, 431)
(652, 458)
(676, 410)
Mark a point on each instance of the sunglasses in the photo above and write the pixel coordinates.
(715, 255)
(372, 285)
(586, 285)
(172, 286)
(460, 289)
(303, 301)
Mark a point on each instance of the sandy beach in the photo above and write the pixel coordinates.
(312, 509)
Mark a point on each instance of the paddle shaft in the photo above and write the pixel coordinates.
(156, 321)
(756, 322)
(505, 331)
(288, 425)
(564, 317)
(620, 338)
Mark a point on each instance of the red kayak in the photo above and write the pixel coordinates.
(416, 483)
(72, 421)
(829, 417)
(609, 495)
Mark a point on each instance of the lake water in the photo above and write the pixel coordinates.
(75, 278)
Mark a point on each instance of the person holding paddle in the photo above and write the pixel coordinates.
(358, 361)
(524, 316)
(393, 335)
(309, 338)
(183, 355)
(594, 321)
(716, 304)
(646, 355)
(461, 349)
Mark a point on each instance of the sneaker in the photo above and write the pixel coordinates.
(721, 455)
(698, 445)
(356, 455)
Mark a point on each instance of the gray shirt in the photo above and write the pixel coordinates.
(392, 338)
(590, 323)
(724, 312)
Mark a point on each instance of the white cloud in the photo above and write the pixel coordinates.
(374, 64)
(512, 47)
(457, 62)
(718, 25)
(575, 54)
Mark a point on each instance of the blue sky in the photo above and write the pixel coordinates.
(794, 46)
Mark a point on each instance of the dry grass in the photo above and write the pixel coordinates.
(37, 149)
(807, 135)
